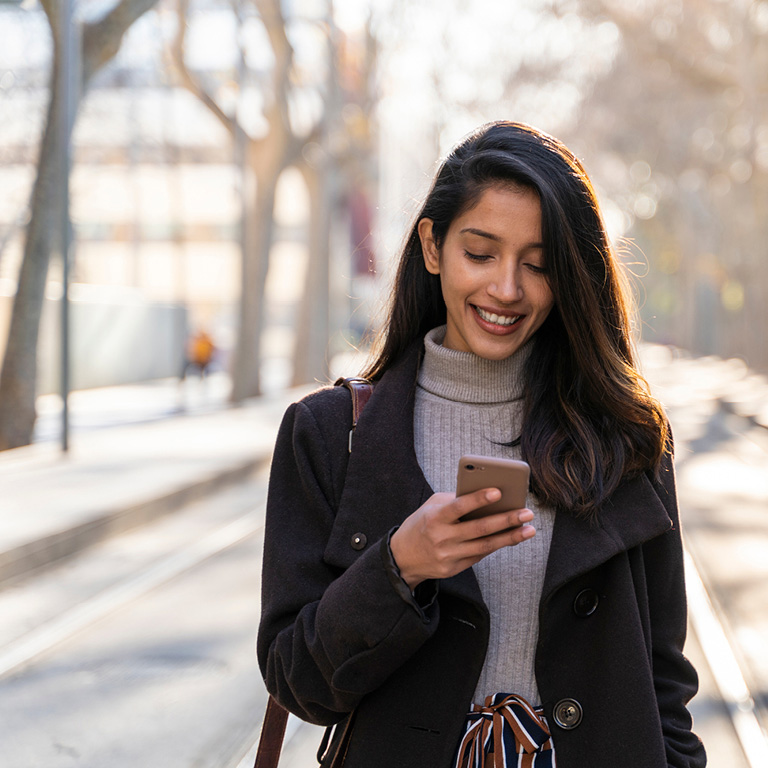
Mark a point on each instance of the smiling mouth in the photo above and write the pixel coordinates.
(492, 317)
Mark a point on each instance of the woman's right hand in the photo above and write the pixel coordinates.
(434, 543)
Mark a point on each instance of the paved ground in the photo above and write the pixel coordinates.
(146, 464)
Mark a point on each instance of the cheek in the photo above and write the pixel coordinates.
(457, 281)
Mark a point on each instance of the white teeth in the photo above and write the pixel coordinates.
(497, 319)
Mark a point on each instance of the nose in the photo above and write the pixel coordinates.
(505, 286)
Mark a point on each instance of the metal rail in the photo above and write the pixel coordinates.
(40, 640)
(725, 667)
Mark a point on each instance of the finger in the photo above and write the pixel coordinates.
(480, 548)
(491, 524)
(472, 501)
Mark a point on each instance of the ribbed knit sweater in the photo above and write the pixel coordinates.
(467, 404)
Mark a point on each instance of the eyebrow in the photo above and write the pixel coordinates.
(491, 236)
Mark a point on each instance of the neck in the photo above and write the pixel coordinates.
(465, 377)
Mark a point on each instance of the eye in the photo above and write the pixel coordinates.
(537, 269)
(480, 257)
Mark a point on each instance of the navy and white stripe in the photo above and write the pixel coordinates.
(506, 733)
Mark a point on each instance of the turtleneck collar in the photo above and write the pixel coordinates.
(467, 378)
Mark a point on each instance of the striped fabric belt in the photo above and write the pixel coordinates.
(506, 732)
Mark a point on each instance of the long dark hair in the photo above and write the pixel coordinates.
(588, 418)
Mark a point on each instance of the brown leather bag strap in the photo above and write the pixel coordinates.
(335, 744)
(361, 390)
(276, 717)
(272, 734)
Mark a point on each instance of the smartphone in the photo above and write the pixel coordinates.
(510, 476)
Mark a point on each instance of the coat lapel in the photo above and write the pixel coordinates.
(633, 515)
(383, 474)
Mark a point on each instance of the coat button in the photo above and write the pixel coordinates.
(586, 602)
(358, 541)
(567, 713)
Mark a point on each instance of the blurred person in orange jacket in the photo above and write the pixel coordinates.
(200, 353)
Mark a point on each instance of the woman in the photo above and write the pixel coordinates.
(432, 640)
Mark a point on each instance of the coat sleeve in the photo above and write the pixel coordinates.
(675, 679)
(327, 636)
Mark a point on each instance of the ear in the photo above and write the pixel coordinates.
(429, 247)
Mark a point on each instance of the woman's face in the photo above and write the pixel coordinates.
(492, 273)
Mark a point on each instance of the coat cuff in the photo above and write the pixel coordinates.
(423, 597)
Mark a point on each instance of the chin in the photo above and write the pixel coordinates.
(493, 352)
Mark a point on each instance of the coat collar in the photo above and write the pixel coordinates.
(384, 483)
(632, 515)
(383, 464)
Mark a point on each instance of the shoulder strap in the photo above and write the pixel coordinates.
(361, 390)
(272, 733)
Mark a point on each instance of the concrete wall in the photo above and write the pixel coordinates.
(120, 339)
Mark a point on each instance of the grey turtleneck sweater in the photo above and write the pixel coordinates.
(466, 404)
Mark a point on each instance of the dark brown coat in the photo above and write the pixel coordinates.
(337, 634)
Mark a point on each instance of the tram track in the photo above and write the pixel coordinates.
(726, 667)
(40, 640)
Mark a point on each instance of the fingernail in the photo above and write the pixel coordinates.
(493, 495)
(524, 517)
(528, 531)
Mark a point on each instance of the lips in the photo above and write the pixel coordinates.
(506, 321)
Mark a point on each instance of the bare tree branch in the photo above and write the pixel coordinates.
(274, 24)
(188, 80)
(51, 9)
(102, 38)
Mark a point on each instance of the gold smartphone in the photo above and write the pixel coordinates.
(510, 476)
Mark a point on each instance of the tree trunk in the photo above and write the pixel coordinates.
(18, 379)
(19, 373)
(246, 367)
(311, 354)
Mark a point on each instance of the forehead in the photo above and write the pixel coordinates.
(503, 208)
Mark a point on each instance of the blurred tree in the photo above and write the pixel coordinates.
(337, 169)
(681, 123)
(319, 170)
(305, 125)
(265, 157)
(100, 42)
